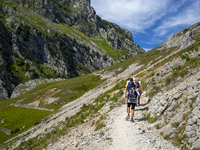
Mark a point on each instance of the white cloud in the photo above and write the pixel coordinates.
(139, 15)
(186, 17)
(135, 15)
(147, 49)
(150, 21)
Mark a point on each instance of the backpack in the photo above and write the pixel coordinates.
(137, 84)
(132, 95)
(129, 85)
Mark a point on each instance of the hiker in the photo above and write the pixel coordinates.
(140, 89)
(128, 86)
(132, 100)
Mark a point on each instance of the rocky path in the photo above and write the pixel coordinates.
(118, 134)
(137, 135)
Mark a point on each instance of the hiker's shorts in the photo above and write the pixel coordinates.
(132, 105)
(140, 91)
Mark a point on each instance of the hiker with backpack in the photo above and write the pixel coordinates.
(140, 89)
(128, 86)
(131, 98)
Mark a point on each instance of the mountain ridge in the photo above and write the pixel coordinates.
(57, 39)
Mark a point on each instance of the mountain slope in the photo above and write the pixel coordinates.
(51, 39)
(170, 78)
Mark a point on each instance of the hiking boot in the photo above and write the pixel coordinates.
(132, 120)
(128, 117)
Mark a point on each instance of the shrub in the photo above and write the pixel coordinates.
(166, 137)
(15, 130)
(158, 73)
(34, 75)
(19, 61)
(185, 57)
(99, 126)
(152, 74)
(150, 119)
(105, 57)
(27, 67)
(175, 124)
(161, 133)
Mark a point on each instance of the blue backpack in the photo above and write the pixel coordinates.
(129, 85)
(132, 94)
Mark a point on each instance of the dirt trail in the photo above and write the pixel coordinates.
(137, 135)
(118, 134)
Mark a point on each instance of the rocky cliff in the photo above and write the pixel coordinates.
(173, 87)
(50, 39)
(183, 38)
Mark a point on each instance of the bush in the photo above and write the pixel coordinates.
(105, 57)
(185, 57)
(158, 73)
(15, 130)
(152, 74)
(27, 67)
(166, 137)
(150, 119)
(99, 126)
(19, 62)
(34, 75)
(175, 124)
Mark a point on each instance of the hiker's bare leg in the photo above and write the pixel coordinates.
(138, 99)
(132, 113)
(127, 104)
(128, 110)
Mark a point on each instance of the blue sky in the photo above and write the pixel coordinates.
(151, 22)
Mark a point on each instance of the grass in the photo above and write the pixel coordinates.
(179, 136)
(196, 148)
(175, 124)
(87, 111)
(69, 90)
(178, 71)
(166, 137)
(18, 119)
(149, 118)
(181, 71)
(116, 54)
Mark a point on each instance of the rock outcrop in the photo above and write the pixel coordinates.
(56, 39)
(183, 38)
(176, 105)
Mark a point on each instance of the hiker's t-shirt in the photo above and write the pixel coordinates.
(139, 84)
(135, 101)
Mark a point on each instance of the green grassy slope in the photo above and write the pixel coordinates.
(20, 119)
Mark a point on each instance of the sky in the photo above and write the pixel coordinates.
(151, 22)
